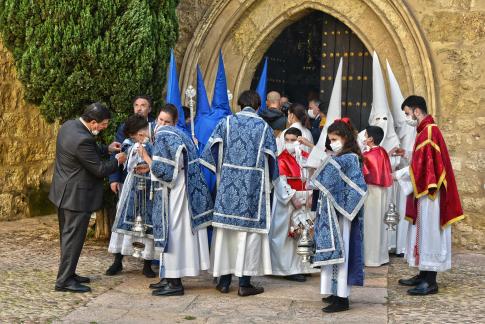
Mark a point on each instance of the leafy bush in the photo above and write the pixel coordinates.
(69, 53)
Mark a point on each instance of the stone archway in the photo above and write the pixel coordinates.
(245, 29)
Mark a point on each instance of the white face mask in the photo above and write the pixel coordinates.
(146, 140)
(336, 146)
(311, 114)
(291, 147)
(95, 132)
(411, 122)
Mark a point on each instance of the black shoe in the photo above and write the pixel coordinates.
(162, 283)
(169, 290)
(250, 291)
(413, 281)
(223, 289)
(114, 269)
(423, 289)
(147, 269)
(400, 255)
(81, 279)
(296, 277)
(74, 287)
(339, 305)
(329, 299)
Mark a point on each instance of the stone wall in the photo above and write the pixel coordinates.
(26, 149)
(455, 32)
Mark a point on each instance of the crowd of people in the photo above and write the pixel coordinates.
(267, 196)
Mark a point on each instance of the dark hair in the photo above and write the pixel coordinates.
(249, 98)
(293, 131)
(376, 133)
(415, 102)
(348, 132)
(133, 124)
(186, 111)
(97, 112)
(146, 97)
(171, 110)
(323, 107)
(301, 113)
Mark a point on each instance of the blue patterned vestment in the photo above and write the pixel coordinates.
(342, 194)
(170, 145)
(133, 201)
(242, 153)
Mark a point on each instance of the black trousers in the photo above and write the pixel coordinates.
(225, 280)
(73, 226)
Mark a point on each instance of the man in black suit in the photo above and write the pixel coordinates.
(77, 187)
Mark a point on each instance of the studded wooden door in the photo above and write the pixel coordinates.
(304, 58)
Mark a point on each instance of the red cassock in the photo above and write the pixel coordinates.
(377, 167)
(290, 168)
(431, 172)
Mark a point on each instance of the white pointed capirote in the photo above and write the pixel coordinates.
(405, 132)
(380, 115)
(334, 112)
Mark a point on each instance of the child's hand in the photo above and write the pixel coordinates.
(304, 141)
(296, 202)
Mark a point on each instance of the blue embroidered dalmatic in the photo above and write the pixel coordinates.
(242, 153)
(171, 144)
(342, 194)
(135, 194)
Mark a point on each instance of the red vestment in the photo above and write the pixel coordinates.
(377, 167)
(290, 168)
(431, 172)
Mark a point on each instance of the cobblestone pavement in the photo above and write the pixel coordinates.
(461, 297)
(29, 256)
(29, 253)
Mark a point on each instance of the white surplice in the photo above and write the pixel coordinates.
(187, 253)
(338, 273)
(240, 253)
(284, 259)
(375, 232)
(434, 242)
(123, 243)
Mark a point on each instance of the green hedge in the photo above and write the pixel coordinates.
(69, 52)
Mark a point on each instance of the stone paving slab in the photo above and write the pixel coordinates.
(29, 253)
(282, 302)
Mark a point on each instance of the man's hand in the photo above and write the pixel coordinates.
(114, 147)
(115, 187)
(397, 152)
(142, 168)
(121, 157)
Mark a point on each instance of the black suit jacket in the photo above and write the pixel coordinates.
(77, 183)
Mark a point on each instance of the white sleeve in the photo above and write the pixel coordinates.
(404, 180)
(283, 191)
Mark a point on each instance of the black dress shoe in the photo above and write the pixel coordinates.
(74, 287)
(400, 255)
(114, 269)
(339, 305)
(81, 279)
(223, 289)
(423, 289)
(329, 299)
(414, 281)
(162, 283)
(250, 291)
(296, 277)
(169, 290)
(147, 269)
